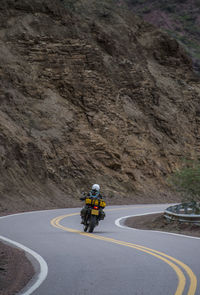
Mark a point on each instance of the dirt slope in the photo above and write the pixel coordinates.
(15, 270)
(90, 94)
(160, 223)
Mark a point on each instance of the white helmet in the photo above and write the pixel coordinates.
(96, 187)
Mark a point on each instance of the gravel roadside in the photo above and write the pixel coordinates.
(15, 270)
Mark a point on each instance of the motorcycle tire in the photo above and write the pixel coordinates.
(93, 221)
(85, 225)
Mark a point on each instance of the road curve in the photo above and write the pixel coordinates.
(113, 260)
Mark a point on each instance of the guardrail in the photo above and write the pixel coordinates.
(184, 212)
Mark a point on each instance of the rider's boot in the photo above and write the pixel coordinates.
(82, 219)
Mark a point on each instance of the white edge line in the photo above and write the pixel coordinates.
(43, 265)
(117, 223)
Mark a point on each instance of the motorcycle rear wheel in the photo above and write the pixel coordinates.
(93, 221)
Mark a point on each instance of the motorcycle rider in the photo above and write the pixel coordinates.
(94, 193)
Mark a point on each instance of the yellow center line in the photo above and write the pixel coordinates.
(162, 256)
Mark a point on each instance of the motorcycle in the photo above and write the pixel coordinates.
(93, 214)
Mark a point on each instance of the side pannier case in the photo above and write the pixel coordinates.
(103, 204)
(88, 201)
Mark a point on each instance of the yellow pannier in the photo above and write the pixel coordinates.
(88, 201)
(102, 204)
(95, 202)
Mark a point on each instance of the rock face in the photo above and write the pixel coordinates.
(90, 94)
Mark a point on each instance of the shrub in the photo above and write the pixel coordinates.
(187, 181)
(69, 4)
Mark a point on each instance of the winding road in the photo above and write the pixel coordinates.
(114, 260)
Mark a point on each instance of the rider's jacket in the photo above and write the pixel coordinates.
(92, 194)
(95, 194)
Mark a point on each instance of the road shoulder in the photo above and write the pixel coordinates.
(158, 222)
(15, 270)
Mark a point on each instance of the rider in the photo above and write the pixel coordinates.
(94, 193)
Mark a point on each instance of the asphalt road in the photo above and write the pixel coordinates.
(111, 261)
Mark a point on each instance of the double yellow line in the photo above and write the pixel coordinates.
(171, 261)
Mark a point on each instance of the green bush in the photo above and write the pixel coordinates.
(187, 181)
(69, 4)
(197, 3)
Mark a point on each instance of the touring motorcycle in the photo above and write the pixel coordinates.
(94, 213)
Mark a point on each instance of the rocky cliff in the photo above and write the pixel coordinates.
(90, 94)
